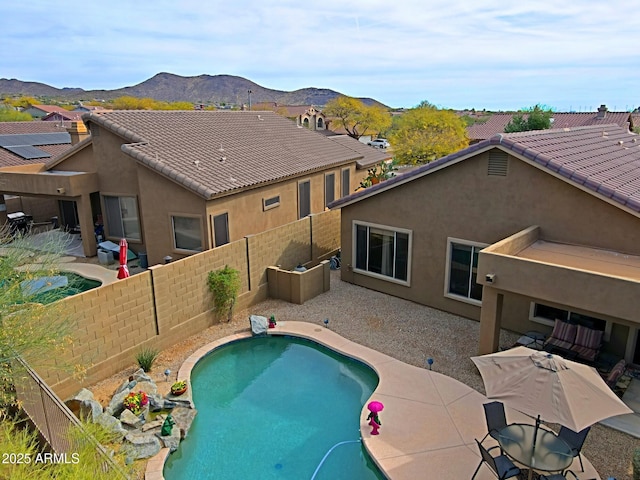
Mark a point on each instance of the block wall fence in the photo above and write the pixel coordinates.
(169, 303)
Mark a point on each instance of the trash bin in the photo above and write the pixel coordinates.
(143, 262)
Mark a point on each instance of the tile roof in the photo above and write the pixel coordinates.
(370, 156)
(48, 108)
(64, 114)
(215, 152)
(603, 159)
(497, 122)
(9, 159)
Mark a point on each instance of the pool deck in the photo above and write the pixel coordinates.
(429, 423)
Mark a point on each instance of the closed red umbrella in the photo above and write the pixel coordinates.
(123, 270)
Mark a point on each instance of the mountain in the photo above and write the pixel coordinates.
(172, 88)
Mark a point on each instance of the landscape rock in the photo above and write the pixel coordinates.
(172, 442)
(258, 325)
(128, 385)
(127, 417)
(157, 423)
(140, 376)
(183, 418)
(168, 404)
(116, 406)
(141, 445)
(84, 406)
(148, 387)
(156, 402)
(111, 424)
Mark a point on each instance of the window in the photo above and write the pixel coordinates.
(187, 233)
(547, 315)
(329, 188)
(382, 251)
(268, 203)
(346, 182)
(221, 229)
(463, 271)
(122, 217)
(304, 199)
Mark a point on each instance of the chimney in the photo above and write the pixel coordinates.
(602, 112)
(78, 132)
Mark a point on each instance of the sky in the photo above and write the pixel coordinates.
(482, 54)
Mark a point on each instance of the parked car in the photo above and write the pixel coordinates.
(378, 143)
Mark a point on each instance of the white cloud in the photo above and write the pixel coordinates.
(482, 53)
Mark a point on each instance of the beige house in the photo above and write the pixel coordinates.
(175, 183)
(515, 231)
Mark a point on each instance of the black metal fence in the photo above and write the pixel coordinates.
(54, 420)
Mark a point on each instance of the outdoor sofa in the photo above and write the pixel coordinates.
(575, 341)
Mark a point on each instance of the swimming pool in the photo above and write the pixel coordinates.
(271, 408)
(49, 289)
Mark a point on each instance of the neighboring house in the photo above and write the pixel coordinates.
(370, 156)
(41, 111)
(496, 123)
(63, 116)
(89, 108)
(178, 182)
(27, 143)
(514, 231)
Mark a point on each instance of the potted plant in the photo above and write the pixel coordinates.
(179, 387)
(135, 402)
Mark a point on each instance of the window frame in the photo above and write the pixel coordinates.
(447, 277)
(213, 229)
(176, 248)
(333, 187)
(108, 217)
(346, 170)
(551, 323)
(266, 207)
(300, 183)
(395, 230)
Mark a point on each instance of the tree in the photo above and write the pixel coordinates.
(357, 118)
(425, 133)
(537, 118)
(31, 330)
(11, 115)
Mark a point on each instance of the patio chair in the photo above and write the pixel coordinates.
(501, 466)
(574, 440)
(495, 417)
(559, 476)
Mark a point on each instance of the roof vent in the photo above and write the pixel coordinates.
(222, 159)
(620, 142)
(498, 163)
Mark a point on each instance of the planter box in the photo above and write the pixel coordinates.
(298, 287)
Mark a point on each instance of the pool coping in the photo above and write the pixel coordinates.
(429, 423)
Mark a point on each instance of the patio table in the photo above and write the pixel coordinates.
(551, 454)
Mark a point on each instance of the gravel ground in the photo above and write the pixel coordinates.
(401, 329)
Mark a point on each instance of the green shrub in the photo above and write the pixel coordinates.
(225, 285)
(636, 464)
(146, 357)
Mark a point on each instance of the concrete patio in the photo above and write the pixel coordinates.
(430, 421)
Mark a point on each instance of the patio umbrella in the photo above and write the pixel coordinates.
(548, 387)
(123, 270)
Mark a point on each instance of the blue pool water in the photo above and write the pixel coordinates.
(271, 408)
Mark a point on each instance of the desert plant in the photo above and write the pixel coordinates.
(146, 357)
(225, 286)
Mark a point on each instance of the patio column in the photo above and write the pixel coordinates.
(3, 210)
(490, 320)
(85, 218)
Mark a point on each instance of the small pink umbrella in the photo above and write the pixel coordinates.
(375, 406)
(123, 270)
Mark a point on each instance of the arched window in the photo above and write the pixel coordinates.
(305, 122)
(320, 123)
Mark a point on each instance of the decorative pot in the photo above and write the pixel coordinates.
(178, 392)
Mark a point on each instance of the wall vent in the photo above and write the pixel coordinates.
(498, 163)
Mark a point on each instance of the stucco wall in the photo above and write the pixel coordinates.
(462, 201)
(168, 303)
